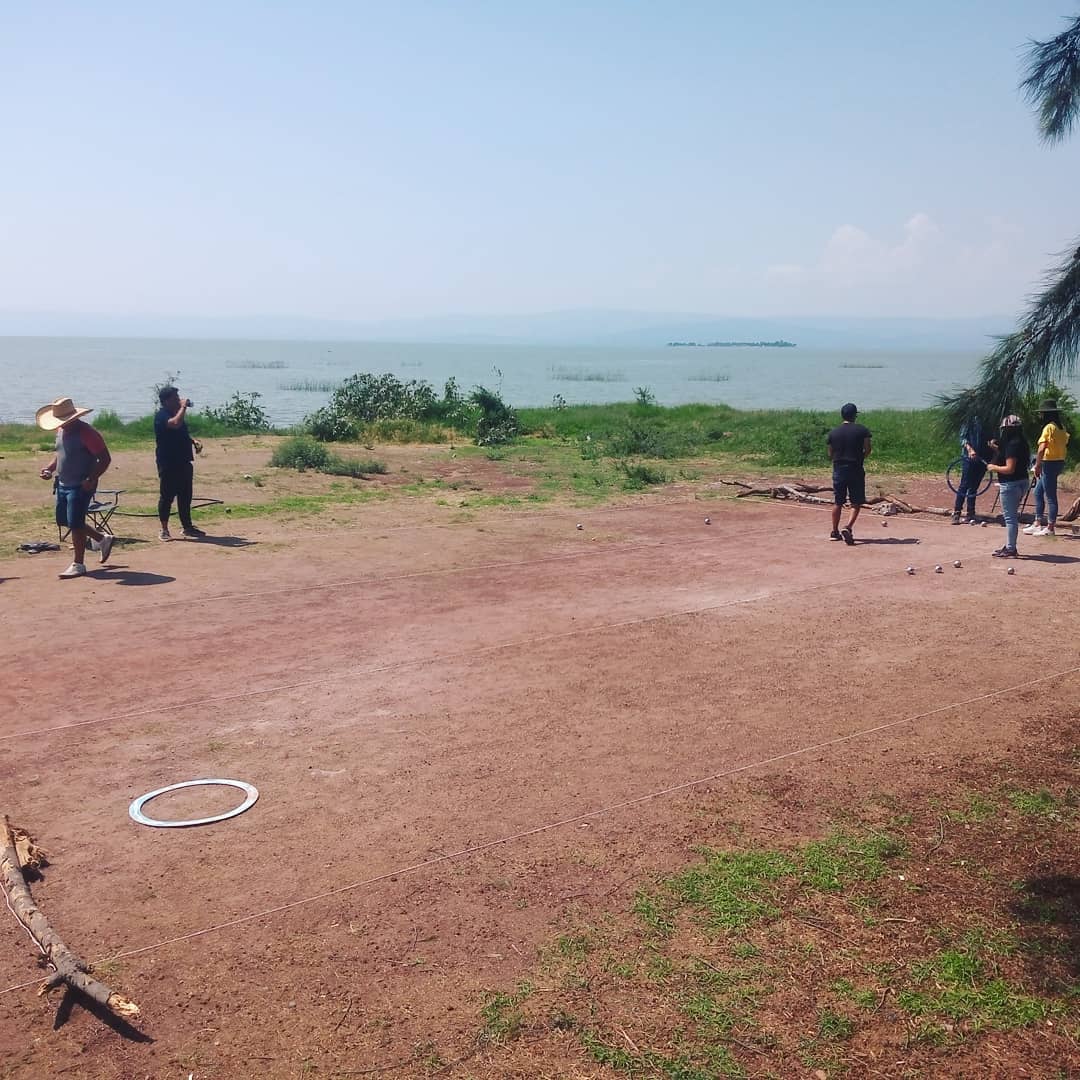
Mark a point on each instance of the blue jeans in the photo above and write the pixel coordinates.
(1012, 492)
(1046, 504)
(71, 506)
(971, 476)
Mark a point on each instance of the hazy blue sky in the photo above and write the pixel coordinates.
(377, 160)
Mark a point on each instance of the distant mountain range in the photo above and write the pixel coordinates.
(580, 327)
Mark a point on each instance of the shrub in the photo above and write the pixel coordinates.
(638, 475)
(498, 423)
(637, 439)
(241, 413)
(329, 425)
(301, 453)
(339, 466)
(363, 401)
(372, 397)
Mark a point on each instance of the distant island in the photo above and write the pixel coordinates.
(778, 344)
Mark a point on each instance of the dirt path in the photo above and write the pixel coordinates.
(403, 689)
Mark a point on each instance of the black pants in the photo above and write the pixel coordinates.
(176, 482)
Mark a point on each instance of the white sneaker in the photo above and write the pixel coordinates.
(1032, 529)
(106, 546)
(164, 535)
(76, 569)
(1042, 530)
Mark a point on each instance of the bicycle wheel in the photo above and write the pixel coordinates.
(954, 472)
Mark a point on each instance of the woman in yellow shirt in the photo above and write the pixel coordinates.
(1049, 465)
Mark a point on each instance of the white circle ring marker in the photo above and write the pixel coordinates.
(136, 813)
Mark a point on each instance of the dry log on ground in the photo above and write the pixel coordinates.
(16, 850)
(807, 493)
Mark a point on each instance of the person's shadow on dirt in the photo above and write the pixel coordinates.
(121, 575)
(887, 540)
(1051, 904)
(1048, 558)
(224, 541)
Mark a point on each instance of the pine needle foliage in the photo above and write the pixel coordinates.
(1045, 346)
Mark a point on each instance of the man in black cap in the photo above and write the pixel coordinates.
(849, 447)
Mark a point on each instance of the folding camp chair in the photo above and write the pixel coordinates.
(105, 503)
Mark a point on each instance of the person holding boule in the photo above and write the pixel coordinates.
(1010, 469)
(80, 460)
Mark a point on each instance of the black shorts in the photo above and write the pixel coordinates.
(848, 482)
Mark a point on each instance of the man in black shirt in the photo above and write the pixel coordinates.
(174, 461)
(849, 447)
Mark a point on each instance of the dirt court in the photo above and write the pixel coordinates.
(402, 688)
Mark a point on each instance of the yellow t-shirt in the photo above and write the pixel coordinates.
(1053, 441)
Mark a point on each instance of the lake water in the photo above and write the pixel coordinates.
(119, 373)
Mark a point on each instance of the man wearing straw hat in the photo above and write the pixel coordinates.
(81, 458)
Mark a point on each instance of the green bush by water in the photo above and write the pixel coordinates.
(304, 453)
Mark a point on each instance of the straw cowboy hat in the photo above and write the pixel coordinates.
(61, 411)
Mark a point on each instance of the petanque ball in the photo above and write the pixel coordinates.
(957, 564)
(911, 569)
(939, 569)
(1011, 570)
(580, 526)
(708, 521)
(884, 524)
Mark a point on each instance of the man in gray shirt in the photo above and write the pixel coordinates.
(81, 458)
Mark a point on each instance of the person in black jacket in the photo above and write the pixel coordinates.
(977, 451)
(849, 446)
(175, 462)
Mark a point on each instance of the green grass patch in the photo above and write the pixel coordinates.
(733, 888)
(753, 961)
(904, 439)
(977, 808)
(832, 1025)
(718, 1062)
(957, 985)
(1037, 804)
(502, 1015)
(841, 859)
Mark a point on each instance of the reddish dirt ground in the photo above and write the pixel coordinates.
(400, 691)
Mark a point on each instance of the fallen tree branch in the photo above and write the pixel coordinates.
(68, 968)
(799, 491)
